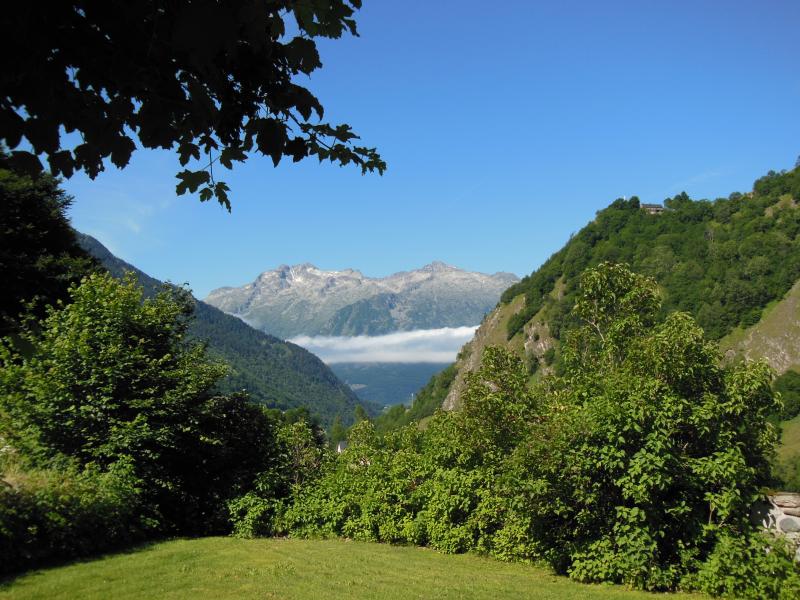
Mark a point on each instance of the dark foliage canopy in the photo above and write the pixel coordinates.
(39, 255)
(203, 77)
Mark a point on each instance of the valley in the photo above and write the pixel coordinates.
(399, 300)
(386, 384)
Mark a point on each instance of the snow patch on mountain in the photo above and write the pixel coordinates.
(304, 300)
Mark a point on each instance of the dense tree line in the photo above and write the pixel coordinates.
(39, 255)
(425, 403)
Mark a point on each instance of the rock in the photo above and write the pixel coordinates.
(762, 514)
(786, 500)
(789, 524)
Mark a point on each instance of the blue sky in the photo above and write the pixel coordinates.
(506, 126)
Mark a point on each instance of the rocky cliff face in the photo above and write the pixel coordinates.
(531, 344)
(305, 300)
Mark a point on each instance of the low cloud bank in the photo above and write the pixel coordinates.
(419, 346)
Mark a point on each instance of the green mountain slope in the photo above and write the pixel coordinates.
(775, 337)
(724, 261)
(277, 374)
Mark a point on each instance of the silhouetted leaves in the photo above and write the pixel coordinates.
(183, 75)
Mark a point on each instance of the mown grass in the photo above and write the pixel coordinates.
(221, 568)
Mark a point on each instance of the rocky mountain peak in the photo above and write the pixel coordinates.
(438, 266)
(305, 300)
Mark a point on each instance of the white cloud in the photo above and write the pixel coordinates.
(421, 345)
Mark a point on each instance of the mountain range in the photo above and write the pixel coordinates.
(305, 300)
(275, 373)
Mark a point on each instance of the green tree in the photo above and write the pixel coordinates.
(788, 386)
(360, 414)
(338, 431)
(111, 378)
(200, 76)
(39, 255)
(720, 261)
(656, 450)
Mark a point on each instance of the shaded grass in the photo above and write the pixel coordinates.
(298, 569)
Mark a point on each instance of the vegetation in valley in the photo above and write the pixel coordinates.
(635, 462)
(386, 384)
(626, 453)
(425, 402)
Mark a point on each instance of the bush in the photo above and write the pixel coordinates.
(110, 378)
(48, 514)
(298, 458)
(637, 466)
(753, 567)
(788, 386)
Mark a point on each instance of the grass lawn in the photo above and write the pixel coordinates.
(222, 568)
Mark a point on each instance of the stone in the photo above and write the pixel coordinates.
(786, 500)
(789, 524)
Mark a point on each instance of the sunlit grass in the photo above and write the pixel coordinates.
(298, 569)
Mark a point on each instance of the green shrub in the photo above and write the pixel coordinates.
(48, 514)
(788, 386)
(753, 567)
(632, 467)
(299, 454)
(110, 377)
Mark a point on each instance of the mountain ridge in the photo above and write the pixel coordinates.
(304, 300)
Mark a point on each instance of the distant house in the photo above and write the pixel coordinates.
(652, 209)
(340, 447)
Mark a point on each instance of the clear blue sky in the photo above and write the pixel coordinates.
(506, 126)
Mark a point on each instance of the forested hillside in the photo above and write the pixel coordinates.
(275, 373)
(723, 261)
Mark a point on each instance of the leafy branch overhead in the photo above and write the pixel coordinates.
(205, 78)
